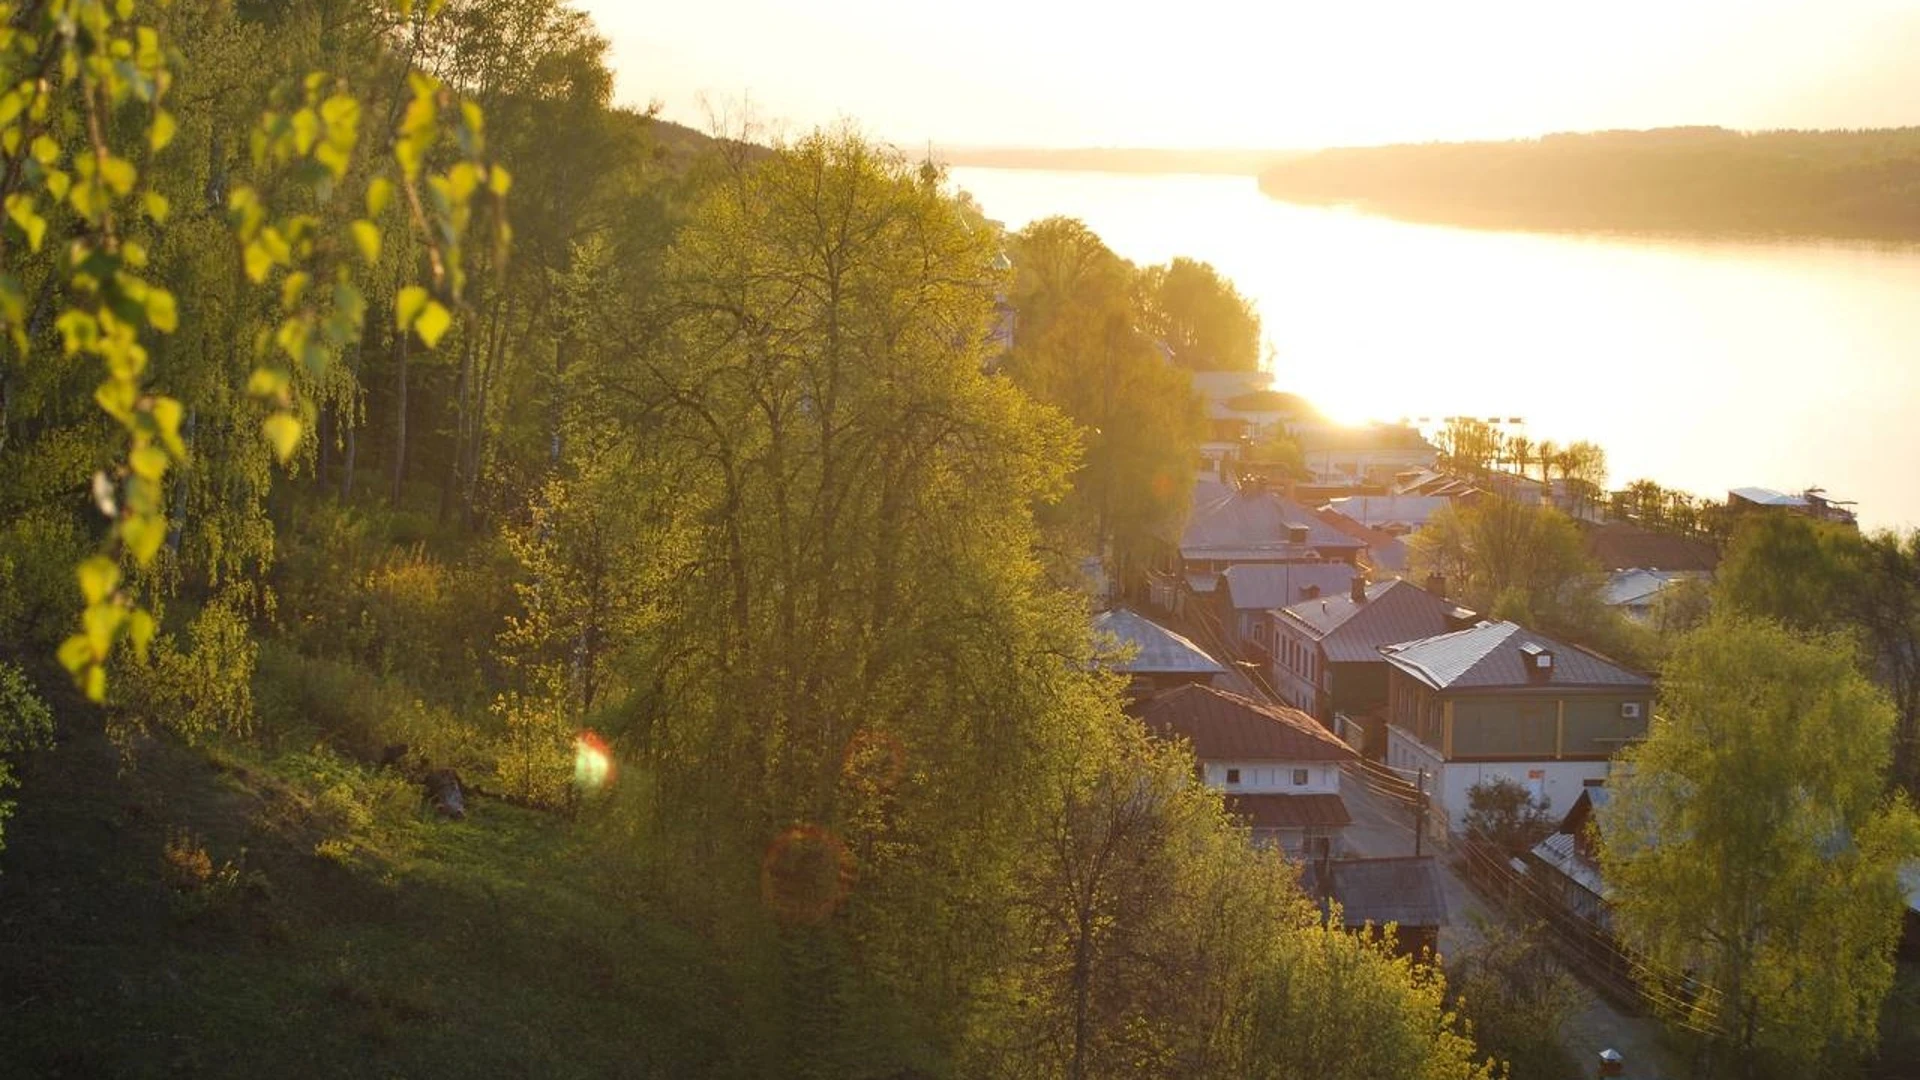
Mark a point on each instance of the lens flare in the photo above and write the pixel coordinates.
(805, 874)
(592, 762)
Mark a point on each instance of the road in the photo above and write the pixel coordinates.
(1383, 827)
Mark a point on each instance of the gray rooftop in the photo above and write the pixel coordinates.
(1489, 656)
(1395, 611)
(1768, 496)
(1404, 890)
(1377, 510)
(1161, 651)
(1259, 586)
(1254, 524)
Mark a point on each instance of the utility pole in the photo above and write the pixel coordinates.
(1419, 809)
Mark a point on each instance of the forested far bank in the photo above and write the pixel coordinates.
(1852, 184)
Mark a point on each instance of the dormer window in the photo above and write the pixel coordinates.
(1539, 660)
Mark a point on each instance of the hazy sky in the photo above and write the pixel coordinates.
(1278, 73)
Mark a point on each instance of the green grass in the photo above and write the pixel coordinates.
(334, 930)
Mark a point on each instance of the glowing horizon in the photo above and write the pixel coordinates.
(1229, 74)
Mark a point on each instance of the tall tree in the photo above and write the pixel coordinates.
(1828, 577)
(1079, 349)
(1202, 320)
(1750, 842)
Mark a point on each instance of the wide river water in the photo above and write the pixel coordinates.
(1703, 364)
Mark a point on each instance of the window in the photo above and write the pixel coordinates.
(1233, 776)
(1299, 778)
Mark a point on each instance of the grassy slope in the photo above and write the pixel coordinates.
(424, 948)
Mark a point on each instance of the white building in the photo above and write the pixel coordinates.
(1279, 768)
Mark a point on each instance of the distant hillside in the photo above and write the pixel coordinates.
(1696, 179)
(1119, 159)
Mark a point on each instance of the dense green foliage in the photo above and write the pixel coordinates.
(1751, 843)
(716, 465)
(1083, 346)
(1825, 577)
(1526, 563)
(1695, 180)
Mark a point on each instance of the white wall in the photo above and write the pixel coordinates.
(1274, 777)
(1559, 781)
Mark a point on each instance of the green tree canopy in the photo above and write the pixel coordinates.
(1204, 322)
(1750, 842)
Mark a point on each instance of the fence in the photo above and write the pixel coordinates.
(1587, 946)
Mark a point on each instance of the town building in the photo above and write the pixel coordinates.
(1278, 768)
(1233, 526)
(1325, 656)
(1247, 593)
(1499, 700)
(1152, 657)
(1403, 892)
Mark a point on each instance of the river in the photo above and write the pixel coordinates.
(1702, 364)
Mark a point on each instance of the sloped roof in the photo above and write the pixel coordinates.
(1253, 523)
(1631, 587)
(1560, 852)
(1161, 651)
(1224, 726)
(1395, 611)
(1414, 510)
(1404, 890)
(1488, 656)
(1259, 586)
(1318, 811)
(1385, 551)
(1618, 545)
(1767, 497)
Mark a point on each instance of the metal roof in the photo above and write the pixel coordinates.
(1224, 726)
(1259, 586)
(1395, 611)
(1403, 890)
(1412, 510)
(1767, 496)
(1559, 852)
(1161, 651)
(1252, 524)
(1489, 656)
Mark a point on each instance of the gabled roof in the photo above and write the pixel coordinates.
(1403, 890)
(1636, 587)
(1414, 510)
(1395, 611)
(1244, 524)
(1223, 726)
(1259, 586)
(1161, 651)
(1318, 811)
(1489, 656)
(1384, 550)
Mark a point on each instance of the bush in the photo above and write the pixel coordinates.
(1504, 813)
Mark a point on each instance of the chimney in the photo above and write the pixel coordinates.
(1359, 588)
(1437, 585)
